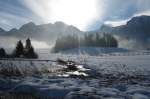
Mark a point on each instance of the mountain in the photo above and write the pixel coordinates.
(2, 31)
(136, 32)
(44, 32)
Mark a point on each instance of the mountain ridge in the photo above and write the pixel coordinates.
(43, 32)
(135, 34)
(137, 31)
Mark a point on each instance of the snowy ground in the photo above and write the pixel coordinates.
(110, 76)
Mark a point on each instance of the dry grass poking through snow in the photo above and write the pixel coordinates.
(18, 96)
(26, 68)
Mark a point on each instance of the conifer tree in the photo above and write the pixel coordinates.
(2, 53)
(29, 50)
(19, 51)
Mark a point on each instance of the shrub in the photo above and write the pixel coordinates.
(2, 53)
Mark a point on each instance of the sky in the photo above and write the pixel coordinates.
(84, 14)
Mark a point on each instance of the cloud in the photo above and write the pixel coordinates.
(9, 21)
(73, 12)
(142, 13)
(116, 23)
(119, 11)
(84, 14)
(13, 14)
(40, 7)
(127, 8)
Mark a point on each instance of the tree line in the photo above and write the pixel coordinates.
(20, 51)
(89, 40)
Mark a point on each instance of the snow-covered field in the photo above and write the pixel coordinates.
(110, 76)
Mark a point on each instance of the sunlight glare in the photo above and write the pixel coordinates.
(79, 13)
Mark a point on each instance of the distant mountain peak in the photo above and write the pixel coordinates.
(2, 30)
(30, 24)
(13, 30)
(59, 23)
(139, 20)
(137, 31)
(142, 17)
(43, 32)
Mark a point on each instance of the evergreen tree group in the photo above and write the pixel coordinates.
(25, 52)
(97, 40)
(66, 42)
(89, 40)
(20, 51)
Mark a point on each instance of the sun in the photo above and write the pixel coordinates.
(73, 12)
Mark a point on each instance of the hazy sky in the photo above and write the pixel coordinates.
(84, 14)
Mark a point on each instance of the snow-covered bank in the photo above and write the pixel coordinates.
(73, 88)
(110, 77)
